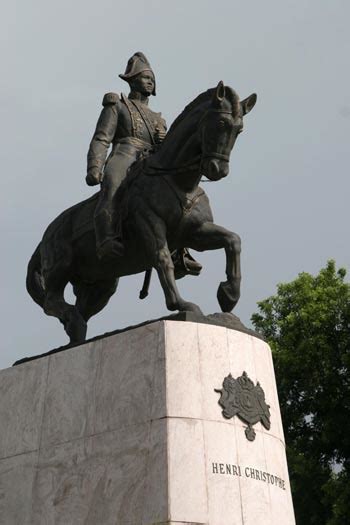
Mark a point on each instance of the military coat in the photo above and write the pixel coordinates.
(129, 126)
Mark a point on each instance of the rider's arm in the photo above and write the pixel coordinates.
(102, 138)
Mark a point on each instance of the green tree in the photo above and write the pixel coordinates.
(307, 324)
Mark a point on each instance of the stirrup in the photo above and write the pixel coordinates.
(185, 264)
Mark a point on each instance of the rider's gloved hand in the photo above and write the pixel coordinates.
(159, 135)
(93, 178)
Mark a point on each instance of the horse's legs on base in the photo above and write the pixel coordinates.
(165, 268)
(93, 297)
(213, 237)
(154, 235)
(69, 315)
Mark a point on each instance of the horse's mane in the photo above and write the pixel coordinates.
(230, 94)
(203, 97)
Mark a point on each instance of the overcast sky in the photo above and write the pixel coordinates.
(288, 188)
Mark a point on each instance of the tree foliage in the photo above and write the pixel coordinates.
(307, 324)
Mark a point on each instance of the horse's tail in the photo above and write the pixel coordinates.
(34, 281)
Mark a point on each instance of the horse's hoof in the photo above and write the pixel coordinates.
(191, 307)
(227, 296)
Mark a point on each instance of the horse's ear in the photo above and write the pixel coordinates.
(248, 103)
(219, 93)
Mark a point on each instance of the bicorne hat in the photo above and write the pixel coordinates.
(136, 65)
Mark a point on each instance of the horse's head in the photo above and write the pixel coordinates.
(219, 128)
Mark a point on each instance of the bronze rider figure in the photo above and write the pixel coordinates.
(132, 129)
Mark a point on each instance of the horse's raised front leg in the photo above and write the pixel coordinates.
(213, 237)
(155, 243)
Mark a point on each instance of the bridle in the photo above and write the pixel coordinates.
(198, 159)
(213, 154)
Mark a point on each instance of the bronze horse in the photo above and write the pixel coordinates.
(161, 208)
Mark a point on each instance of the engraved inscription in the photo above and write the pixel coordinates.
(248, 472)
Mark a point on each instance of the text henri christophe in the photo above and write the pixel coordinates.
(248, 472)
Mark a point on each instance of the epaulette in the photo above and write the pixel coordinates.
(109, 99)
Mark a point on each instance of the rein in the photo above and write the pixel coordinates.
(195, 164)
(186, 202)
(214, 155)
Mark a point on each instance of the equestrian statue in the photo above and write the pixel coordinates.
(150, 210)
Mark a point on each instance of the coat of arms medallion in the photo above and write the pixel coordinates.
(240, 397)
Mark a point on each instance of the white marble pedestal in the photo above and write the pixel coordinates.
(128, 430)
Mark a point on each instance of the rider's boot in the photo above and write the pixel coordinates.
(185, 264)
(108, 244)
